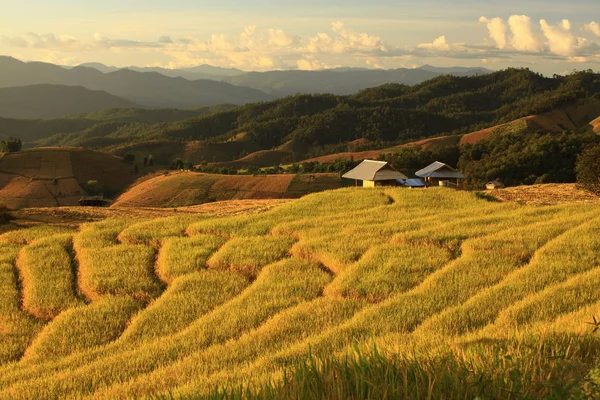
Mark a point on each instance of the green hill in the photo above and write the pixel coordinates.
(389, 113)
(52, 101)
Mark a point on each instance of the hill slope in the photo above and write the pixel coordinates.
(315, 125)
(493, 287)
(178, 189)
(52, 101)
(49, 177)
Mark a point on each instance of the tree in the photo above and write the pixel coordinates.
(588, 169)
(94, 188)
(11, 145)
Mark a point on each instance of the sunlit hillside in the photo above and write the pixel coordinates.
(182, 305)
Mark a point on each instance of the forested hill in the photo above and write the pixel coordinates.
(389, 113)
(52, 101)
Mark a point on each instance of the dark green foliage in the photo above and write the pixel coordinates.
(412, 159)
(94, 188)
(518, 159)
(11, 145)
(588, 169)
(178, 163)
(129, 158)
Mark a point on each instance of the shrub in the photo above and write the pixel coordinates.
(588, 169)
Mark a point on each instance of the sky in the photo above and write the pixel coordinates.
(547, 36)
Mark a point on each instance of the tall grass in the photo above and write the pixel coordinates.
(153, 232)
(570, 254)
(119, 270)
(249, 255)
(100, 234)
(45, 269)
(25, 236)
(83, 328)
(463, 297)
(182, 256)
(17, 328)
(278, 332)
(278, 287)
(388, 269)
(186, 300)
(553, 367)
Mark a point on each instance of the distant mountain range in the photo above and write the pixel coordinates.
(147, 89)
(199, 86)
(194, 73)
(338, 81)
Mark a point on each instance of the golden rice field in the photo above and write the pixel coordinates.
(436, 293)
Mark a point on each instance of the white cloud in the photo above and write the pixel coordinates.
(593, 27)
(47, 41)
(497, 30)
(279, 38)
(310, 64)
(439, 44)
(523, 38)
(561, 41)
(344, 41)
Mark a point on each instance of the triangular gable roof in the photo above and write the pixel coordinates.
(439, 170)
(370, 170)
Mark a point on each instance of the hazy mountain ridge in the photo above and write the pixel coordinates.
(194, 73)
(147, 89)
(281, 83)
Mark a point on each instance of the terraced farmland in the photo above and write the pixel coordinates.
(463, 296)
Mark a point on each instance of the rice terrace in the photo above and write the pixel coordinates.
(431, 293)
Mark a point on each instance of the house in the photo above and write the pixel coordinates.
(412, 183)
(494, 185)
(94, 201)
(441, 174)
(375, 173)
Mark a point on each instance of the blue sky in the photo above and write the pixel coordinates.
(549, 36)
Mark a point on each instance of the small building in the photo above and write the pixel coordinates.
(375, 173)
(494, 185)
(440, 174)
(94, 201)
(412, 183)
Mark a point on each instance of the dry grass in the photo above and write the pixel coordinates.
(439, 275)
(546, 194)
(49, 177)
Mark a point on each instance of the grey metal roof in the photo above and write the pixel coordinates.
(370, 170)
(439, 170)
(412, 182)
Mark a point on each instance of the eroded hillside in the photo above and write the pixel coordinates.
(47, 177)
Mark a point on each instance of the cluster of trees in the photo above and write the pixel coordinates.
(11, 145)
(518, 159)
(588, 169)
